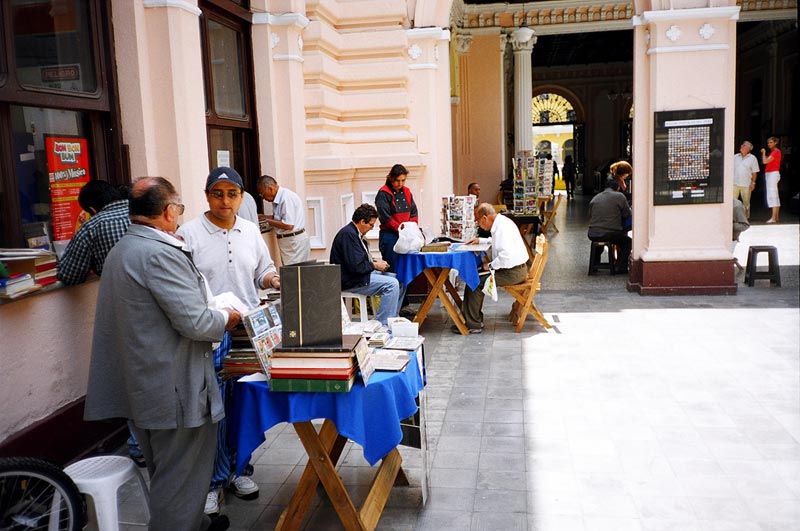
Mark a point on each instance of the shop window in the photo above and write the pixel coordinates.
(58, 128)
(52, 163)
(53, 45)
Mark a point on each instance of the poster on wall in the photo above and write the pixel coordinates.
(68, 171)
(688, 157)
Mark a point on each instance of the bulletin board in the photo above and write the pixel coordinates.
(688, 156)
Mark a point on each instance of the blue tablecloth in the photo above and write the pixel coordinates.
(369, 416)
(409, 266)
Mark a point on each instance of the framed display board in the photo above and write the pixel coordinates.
(688, 156)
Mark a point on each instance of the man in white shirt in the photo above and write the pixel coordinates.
(745, 173)
(509, 263)
(232, 256)
(288, 219)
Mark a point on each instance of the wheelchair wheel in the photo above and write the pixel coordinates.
(36, 494)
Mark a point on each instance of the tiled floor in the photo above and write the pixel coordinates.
(652, 413)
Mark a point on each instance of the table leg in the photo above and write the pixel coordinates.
(438, 283)
(319, 458)
(324, 449)
(451, 289)
(430, 274)
(381, 488)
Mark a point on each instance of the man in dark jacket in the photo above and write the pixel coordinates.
(361, 273)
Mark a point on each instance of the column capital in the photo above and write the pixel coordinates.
(463, 42)
(521, 47)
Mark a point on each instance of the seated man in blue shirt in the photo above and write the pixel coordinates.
(360, 272)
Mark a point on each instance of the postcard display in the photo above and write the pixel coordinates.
(458, 216)
(533, 178)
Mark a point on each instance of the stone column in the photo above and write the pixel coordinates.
(523, 92)
(460, 103)
(160, 94)
(681, 249)
(278, 72)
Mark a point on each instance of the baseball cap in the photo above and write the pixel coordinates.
(223, 173)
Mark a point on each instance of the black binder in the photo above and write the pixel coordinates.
(311, 305)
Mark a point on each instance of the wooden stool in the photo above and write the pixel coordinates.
(773, 273)
(596, 255)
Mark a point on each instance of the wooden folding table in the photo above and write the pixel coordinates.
(436, 267)
(359, 415)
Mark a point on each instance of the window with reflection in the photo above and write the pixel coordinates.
(53, 44)
(227, 77)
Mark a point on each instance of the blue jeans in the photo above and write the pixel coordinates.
(385, 285)
(386, 241)
(225, 457)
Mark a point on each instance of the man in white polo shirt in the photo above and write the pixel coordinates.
(745, 173)
(232, 256)
(288, 219)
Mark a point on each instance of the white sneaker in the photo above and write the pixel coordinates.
(244, 487)
(212, 502)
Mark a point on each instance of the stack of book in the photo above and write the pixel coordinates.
(46, 270)
(241, 359)
(17, 285)
(330, 369)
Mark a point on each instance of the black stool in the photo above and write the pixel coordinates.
(596, 255)
(773, 273)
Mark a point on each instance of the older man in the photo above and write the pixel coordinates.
(745, 174)
(288, 219)
(509, 262)
(232, 255)
(151, 357)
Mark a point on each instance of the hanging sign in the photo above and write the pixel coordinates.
(68, 171)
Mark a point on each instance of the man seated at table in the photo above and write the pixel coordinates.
(607, 213)
(361, 273)
(509, 262)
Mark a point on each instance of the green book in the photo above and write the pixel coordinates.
(308, 385)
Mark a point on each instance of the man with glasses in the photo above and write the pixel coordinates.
(232, 255)
(151, 361)
(288, 219)
(509, 263)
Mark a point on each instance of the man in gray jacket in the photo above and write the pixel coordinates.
(151, 356)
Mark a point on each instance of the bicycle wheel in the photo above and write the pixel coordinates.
(35, 494)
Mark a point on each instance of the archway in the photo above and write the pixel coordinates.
(556, 131)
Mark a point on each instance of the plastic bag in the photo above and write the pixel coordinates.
(489, 287)
(410, 239)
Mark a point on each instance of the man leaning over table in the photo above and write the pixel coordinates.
(288, 219)
(151, 357)
(360, 272)
(509, 262)
(232, 255)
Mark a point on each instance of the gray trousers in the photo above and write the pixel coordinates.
(180, 463)
(473, 299)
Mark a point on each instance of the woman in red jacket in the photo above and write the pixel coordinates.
(395, 205)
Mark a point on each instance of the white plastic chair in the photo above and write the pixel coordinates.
(101, 477)
(362, 304)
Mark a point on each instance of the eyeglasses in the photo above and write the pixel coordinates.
(181, 208)
(219, 194)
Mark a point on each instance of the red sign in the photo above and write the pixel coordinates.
(68, 170)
